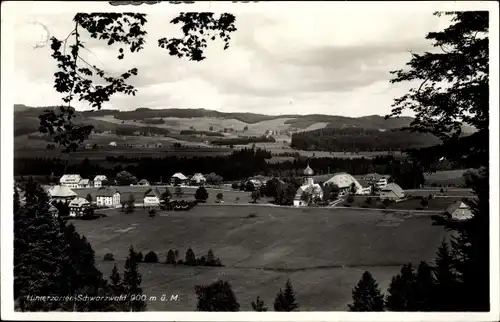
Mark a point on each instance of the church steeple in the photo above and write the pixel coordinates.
(308, 174)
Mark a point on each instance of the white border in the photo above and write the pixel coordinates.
(9, 10)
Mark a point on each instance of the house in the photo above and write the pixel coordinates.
(98, 180)
(70, 180)
(84, 183)
(108, 198)
(178, 179)
(379, 181)
(61, 194)
(78, 206)
(392, 192)
(143, 183)
(53, 211)
(198, 179)
(459, 211)
(346, 183)
(313, 190)
(366, 188)
(112, 144)
(152, 198)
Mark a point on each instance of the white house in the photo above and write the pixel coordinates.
(61, 193)
(77, 207)
(108, 198)
(112, 144)
(152, 198)
(178, 177)
(70, 180)
(99, 179)
(198, 179)
(84, 183)
(392, 192)
(313, 190)
(143, 182)
(459, 211)
(376, 179)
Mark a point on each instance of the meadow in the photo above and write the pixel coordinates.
(323, 251)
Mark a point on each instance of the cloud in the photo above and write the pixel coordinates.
(289, 63)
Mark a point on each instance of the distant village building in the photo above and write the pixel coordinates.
(84, 183)
(70, 180)
(152, 198)
(178, 178)
(78, 206)
(198, 179)
(99, 179)
(112, 144)
(143, 183)
(459, 211)
(392, 191)
(108, 198)
(61, 194)
(53, 211)
(313, 190)
(379, 181)
(346, 182)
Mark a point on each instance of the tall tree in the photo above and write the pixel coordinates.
(445, 279)
(216, 297)
(401, 293)
(190, 258)
(285, 300)
(366, 295)
(132, 279)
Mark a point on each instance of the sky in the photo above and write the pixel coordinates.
(335, 63)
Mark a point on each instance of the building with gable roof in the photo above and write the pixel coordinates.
(459, 211)
(84, 183)
(78, 206)
(152, 198)
(99, 179)
(70, 180)
(178, 178)
(61, 193)
(392, 191)
(108, 198)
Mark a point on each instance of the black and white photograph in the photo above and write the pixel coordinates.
(265, 160)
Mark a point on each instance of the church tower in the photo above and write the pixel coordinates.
(308, 175)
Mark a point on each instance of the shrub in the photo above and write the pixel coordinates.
(386, 202)
(140, 257)
(368, 201)
(201, 194)
(170, 257)
(109, 257)
(152, 213)
(350, 199)
(151, 257)
(235, 186)
(252, 215)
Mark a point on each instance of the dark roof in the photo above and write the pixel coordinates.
(153, 193)
(107, 192)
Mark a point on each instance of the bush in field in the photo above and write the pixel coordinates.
(109, 257)
(151, 257)
(171, 258)
(350, 199)
(201, 194)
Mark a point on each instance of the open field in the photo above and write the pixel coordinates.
(438, 204)
(323, 251)
(453, 177)
(188, 193)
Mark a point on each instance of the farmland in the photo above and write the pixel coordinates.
(323, 251)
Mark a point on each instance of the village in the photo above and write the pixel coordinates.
(83, 197)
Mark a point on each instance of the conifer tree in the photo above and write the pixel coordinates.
(216, 297)
(445, 279)
(366, 295)
(117, 288)
(132, 279)
(285, 300)
(401, 295)
(190, 258)
(210, 258)
(258, 305)
(170, 257)
(424, 288)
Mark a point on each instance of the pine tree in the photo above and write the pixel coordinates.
(132, 279)
(366, 295)
(425, 288)
(170, 257)
(258, 305)
(210, 258)
(401, 294)
(190, 258)
(285, 301)
(216, 297)
(117, 288)
(445, 279)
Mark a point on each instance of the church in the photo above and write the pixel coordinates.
(313, 190)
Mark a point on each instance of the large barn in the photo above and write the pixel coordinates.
(392, 191)
(345, 182)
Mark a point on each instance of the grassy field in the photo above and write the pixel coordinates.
(188, 193)
(453, 177)
(439, 203)
(323, 251)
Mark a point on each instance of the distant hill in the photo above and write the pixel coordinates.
(26, 120)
